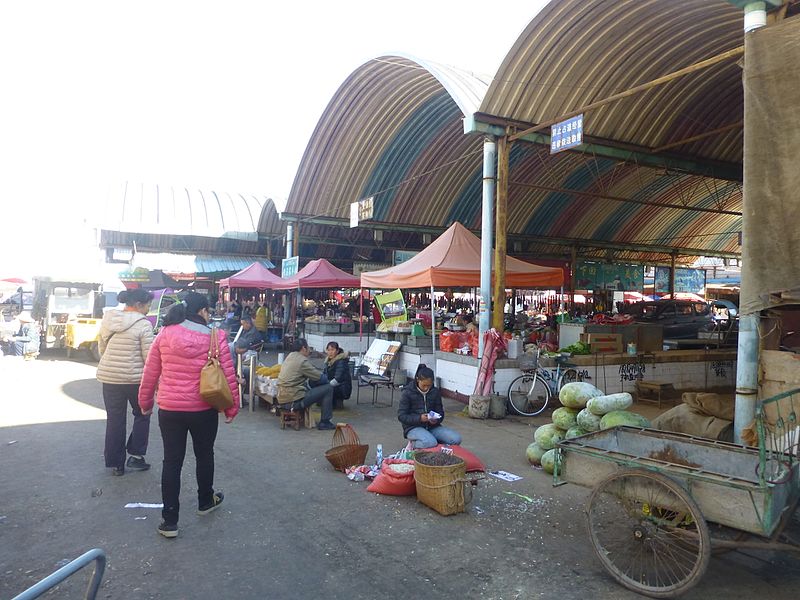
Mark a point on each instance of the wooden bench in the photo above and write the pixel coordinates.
(653, 391)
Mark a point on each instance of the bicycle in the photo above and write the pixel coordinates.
(530, 393)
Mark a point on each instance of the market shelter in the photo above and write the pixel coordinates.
(453, 260)
(321, 274)
(256, 276)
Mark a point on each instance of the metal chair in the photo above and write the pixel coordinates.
(365, 378)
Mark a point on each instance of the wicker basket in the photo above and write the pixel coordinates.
(441, 487)
(347, 449)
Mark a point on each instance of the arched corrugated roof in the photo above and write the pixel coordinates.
(157, 209)
(395, 118)
(393, 130)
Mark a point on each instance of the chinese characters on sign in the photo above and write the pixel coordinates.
(361, 210)
(289, 266)
(566, 134)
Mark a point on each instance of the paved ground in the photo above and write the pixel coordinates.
(290, 526)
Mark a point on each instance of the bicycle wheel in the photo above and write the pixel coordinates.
(568, 376)
(649, 533)
(528, 395)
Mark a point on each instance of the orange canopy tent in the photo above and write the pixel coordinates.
(454, 260)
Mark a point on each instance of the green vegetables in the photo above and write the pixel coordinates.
(577, 348)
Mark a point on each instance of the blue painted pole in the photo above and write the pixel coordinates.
(487, 231)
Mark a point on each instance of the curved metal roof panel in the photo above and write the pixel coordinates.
(393, 120)
(157, 209)
(576, 52)
(394, 131)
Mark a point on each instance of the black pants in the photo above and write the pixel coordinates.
(117, 397)
(174, 426)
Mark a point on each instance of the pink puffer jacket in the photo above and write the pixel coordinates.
(173, 367)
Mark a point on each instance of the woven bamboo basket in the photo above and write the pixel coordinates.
(441, 487)
(347, 450)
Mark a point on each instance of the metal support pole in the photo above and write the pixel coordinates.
(289, 253)
(433, 330)
(672, 276)
(746, 375)
(501, 219)
(747, 350)
(487, 229)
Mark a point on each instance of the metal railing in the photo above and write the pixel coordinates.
(95, 555)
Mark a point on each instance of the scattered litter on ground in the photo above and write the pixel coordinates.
(526, 498)
(144, 505)
(12, 442)
(505, 475)
(62, 563)
(478, 510)
(97, 492)
(139, 518)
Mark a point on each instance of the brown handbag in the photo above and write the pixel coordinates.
(214, 388)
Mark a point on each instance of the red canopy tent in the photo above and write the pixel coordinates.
(255, 276)
(319, 274)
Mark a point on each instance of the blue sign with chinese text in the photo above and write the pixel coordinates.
(566, 134)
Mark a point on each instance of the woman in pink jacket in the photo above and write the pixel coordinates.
(173, 367)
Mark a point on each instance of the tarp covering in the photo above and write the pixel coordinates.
(319, 274)
(771, 206)
(454, 259)
(255, 276)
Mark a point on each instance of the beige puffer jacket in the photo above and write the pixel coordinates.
(124, 341)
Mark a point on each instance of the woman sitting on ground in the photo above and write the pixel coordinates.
(337, 368)
(417, 401)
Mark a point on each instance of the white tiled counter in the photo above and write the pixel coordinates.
(349, 342)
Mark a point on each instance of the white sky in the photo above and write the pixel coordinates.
(208, 95)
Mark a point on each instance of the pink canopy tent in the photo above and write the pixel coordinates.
(318, 274)
(255, 276)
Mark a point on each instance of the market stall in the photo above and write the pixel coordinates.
(453, 260)
(257, 277)
(335, 323)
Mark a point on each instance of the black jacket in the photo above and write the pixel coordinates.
(414, 403)
(339, 369)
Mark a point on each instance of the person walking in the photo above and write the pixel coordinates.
(173, 367)
(124, 341)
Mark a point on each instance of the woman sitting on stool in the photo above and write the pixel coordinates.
(337, 368)
(416, 403)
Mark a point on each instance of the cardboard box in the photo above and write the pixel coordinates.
(603, 342)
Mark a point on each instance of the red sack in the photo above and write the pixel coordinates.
(447, 341)
(473, 462)
(392, 483)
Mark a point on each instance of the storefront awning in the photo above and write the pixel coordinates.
(200, 264)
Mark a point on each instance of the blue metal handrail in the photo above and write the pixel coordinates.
(96, 554)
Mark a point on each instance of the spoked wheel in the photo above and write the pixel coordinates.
(568, 376)
(528, 395)
(648, 533)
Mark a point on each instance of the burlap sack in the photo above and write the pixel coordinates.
(684, 419)
(712, 405)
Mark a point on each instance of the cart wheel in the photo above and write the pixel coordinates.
(649, 533)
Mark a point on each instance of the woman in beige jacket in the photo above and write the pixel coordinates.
(124, 341)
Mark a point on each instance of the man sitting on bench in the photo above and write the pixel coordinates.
(295, 372)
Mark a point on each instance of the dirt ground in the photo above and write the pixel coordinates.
(290, 526)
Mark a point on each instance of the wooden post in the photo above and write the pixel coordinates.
(501, 221)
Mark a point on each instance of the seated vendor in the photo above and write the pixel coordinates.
(337, 369)
(416, 404)
(296, 371)
(26, 341)
(249, 338)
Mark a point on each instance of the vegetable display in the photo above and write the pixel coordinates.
(547, 436)
(601, 405)
(534, 453)
(623, 417)
(577, 394)
(565, 418)
(588, 421)
(549, 461)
